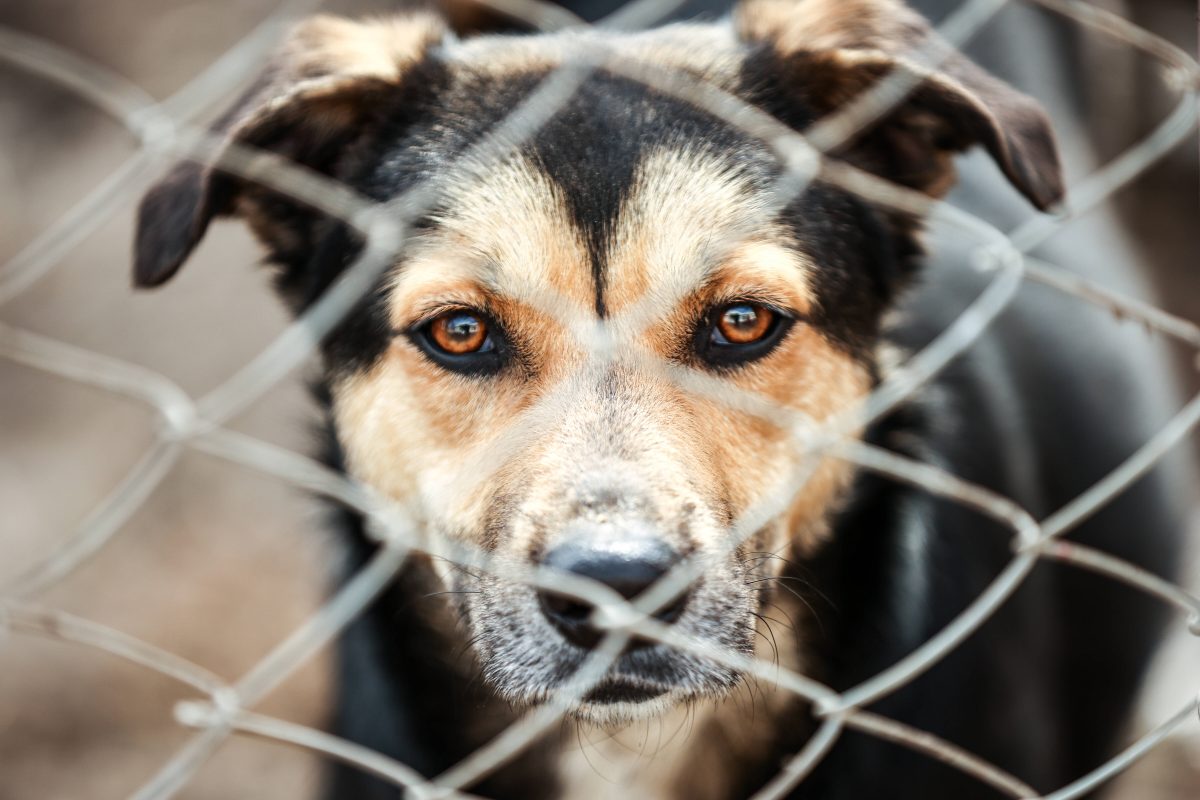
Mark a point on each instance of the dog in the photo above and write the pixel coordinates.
(470, 384)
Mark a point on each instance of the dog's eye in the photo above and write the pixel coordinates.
(740, 332)
(460, 332)
(742, 323)
(461, 340)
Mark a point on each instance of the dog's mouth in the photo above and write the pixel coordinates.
(646, 671)
(648, 680)
(526, 664)
(531, 640)
(646, 684)
(623, 690)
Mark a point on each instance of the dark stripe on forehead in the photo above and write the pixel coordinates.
(591, 151)
(585, 154)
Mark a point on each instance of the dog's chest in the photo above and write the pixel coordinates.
(704, 750)
(696, 752)
(650, 759)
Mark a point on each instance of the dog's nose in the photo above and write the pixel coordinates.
(627, 566)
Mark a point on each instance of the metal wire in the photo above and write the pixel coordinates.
(225, 709)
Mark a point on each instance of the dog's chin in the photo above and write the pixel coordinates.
(620, 700)
(615, 704)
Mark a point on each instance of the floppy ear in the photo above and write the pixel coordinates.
(829, 51)
(314, 98)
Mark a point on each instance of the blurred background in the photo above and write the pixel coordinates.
(221, 563)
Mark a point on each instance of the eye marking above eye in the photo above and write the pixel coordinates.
(739, 332)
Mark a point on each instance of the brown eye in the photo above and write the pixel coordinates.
(743, 323)
(462, 340)
(459, 333)
(740, 332)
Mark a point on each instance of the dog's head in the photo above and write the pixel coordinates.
(542, 368)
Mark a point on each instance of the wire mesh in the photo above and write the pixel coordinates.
(186, 423)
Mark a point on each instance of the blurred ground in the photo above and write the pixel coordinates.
(222, 563)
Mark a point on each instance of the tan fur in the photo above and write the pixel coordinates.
(703, 51)
(381, 48)
(327, 65)
(814, 25)
(509, 249)
(689, 239)
(687, 215)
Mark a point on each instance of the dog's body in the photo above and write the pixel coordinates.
(463, 348)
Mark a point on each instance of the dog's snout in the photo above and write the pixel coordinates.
(627, 566)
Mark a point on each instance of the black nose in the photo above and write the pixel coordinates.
(627, 566)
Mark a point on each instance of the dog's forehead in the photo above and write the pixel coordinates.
(679, 221)
(623, 194)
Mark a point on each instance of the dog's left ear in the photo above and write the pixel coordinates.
(315, 98)
(826, 52)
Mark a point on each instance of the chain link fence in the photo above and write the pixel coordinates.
(223, 709)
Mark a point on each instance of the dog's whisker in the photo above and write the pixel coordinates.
(769, 633)
(449, 592)
(800, 597)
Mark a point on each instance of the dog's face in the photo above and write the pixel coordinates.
(539, 394)
(541, 372)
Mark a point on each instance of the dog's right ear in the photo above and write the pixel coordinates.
(310, 103)
(827, 52)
